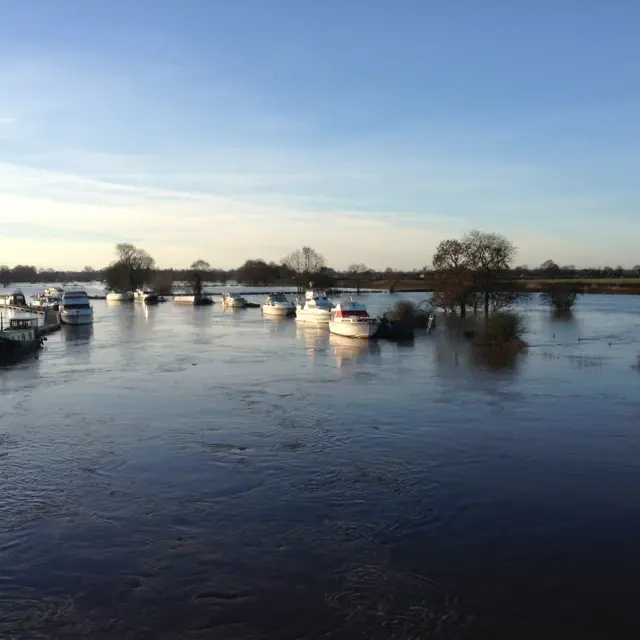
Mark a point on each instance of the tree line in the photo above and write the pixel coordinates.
(464, 272)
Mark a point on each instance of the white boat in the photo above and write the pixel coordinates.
(277, 304)
(48, 299)
(197, 300)
(146, 295)
(233, 300)
(315, 307)
(351, 319)
(75, 308)
(115, 295)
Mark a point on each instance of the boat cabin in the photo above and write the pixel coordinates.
(351, 310)
(20, 329)
(15, 299)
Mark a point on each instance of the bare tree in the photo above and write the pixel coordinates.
(197, 274)
(357, 273)
(305, 263)
(489, 256)
(132, 268)
(453, 277)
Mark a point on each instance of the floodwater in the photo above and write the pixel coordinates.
(181, 473)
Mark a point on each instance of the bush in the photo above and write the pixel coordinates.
(502, 330)
(560, 296)
(407, 313)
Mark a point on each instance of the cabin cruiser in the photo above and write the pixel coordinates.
(116, 295)
(48, 299)
(315, 307)
(277, 304)
(75, 308)
(233, 300)
(146, 295)
(14, 299)
(195, 300)
(351, 319)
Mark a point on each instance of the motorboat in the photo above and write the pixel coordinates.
(146, 295)
(75, 308)
(195, 300)
(277, 304)
(351, 319)
(14, 299)
(19, 336)
(48, 299)
(315, 307)
(116, 295)
(233, 300)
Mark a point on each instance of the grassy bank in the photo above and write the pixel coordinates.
(628, 286)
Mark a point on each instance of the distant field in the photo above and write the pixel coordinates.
(596, 285)
(608, 281)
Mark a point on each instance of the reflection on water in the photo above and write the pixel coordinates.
(174, 472)
(315, 337)
(77, 333)
(349, 350)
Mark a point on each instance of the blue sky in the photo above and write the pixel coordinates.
(368, 129)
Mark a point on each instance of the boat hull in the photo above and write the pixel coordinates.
(273, 310)
(69, 317)
(360, 330)
(313, 317)
(119, 297)
(194, 301)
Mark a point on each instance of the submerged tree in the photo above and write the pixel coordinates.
(132, 268)
(453, 277)
(196, 276)
(560, 296)
(490, 256)
(307, 266)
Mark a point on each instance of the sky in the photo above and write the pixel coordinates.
(369, 130)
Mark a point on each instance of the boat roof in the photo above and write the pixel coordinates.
(351, 306)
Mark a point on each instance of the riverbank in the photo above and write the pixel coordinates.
(608, 286)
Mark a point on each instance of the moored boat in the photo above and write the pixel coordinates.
(48, 299)
(17, 337)
(315, 308)
(116, 295)
(277, 304)
(75, 308)
(13, 299)
(197, 300)
(351, 319)
(146, 295)
(234, 300)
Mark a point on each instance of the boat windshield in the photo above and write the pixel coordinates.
(76, 305)
(352, 313)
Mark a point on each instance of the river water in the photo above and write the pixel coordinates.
(183, 473)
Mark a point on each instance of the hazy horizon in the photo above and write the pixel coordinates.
(369, 130)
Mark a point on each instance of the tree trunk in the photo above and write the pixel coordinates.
(463, 310)
(486, 303)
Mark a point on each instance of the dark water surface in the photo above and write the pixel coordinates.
(189, 473)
